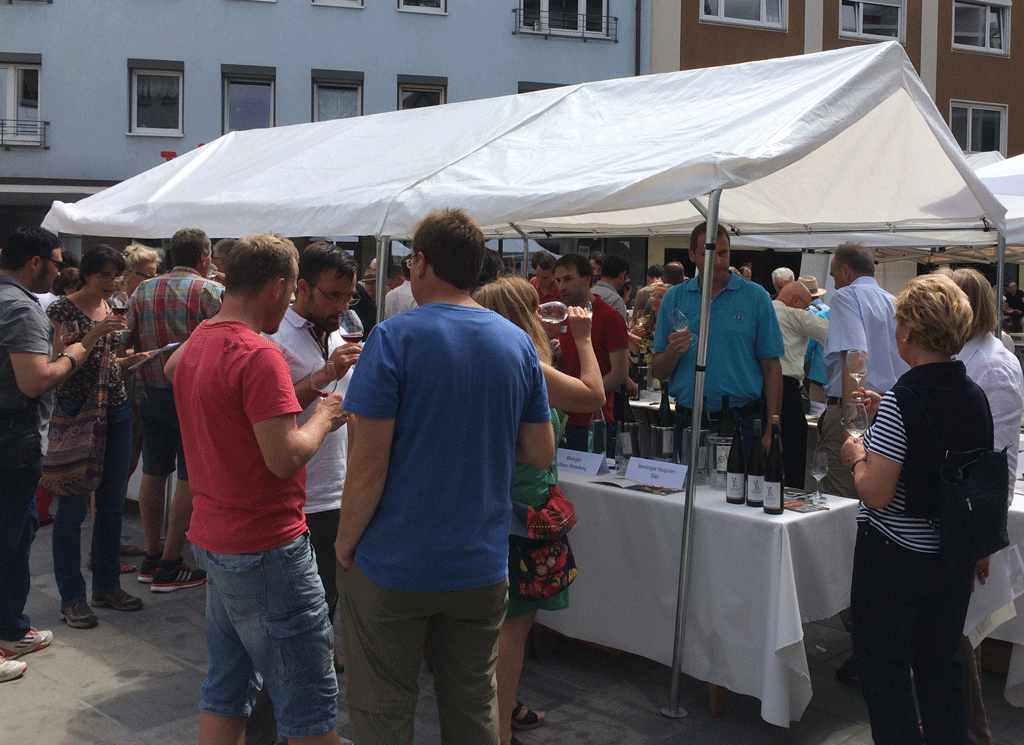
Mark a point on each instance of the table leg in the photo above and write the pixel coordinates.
(716, 700)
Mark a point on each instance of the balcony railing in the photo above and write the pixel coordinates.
(22, 133)
(574, 25)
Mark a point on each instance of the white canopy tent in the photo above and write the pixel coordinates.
(1005, 179)
(838, 142)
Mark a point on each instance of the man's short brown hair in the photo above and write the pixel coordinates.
(257, 260)
(188, 246)
(703, 228)
(859, 258)
(452, 244)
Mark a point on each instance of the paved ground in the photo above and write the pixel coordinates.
(135, 679)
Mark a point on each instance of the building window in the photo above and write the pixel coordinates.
(340, 3)
(978, 128)
(768, 13)
(20, 121)
(424, 6)
(155, 97)
(417, 91)
(882, 19)
(248, 97)
(337, 94)
(571, 17)
(981, 27)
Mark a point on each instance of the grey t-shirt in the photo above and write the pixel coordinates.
(24, 327)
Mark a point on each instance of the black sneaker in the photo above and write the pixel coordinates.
(149, 565)
(169, 580)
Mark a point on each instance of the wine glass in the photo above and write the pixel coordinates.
(857, 365)
(351, 327)
(819, 470)
(679, 320)
(118, 303)
(69, 332)
(588, 307)
(856, 419)
(553, 312)
(323, 379)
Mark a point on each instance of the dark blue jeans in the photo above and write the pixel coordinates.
(106, 531)
(908, 612)
(18, 524)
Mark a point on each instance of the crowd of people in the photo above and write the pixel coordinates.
(312, 449)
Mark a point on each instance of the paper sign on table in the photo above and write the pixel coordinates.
(576, 461)
(656, 472)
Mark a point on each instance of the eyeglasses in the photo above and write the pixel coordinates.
(61, 266)
(107, 276)
(144, 276)
(337, 297)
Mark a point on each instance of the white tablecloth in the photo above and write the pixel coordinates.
(755, 579)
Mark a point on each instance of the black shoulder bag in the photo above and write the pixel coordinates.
(973, 488)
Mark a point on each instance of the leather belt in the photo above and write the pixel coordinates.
(834, 400)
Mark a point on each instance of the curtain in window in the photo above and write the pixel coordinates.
(336, 103)
(250, 105)
(157, 101)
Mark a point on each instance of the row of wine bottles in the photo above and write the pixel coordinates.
(758, 480)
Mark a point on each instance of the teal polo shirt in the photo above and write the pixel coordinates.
(743, 331)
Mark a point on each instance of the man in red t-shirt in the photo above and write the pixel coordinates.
(608, 336)
(543, 280)
(266, 611)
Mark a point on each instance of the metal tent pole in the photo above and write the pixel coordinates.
(523, 270)
(383, 262)
(1000, 278)
(673, 709)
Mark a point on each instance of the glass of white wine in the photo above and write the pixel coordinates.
(856, 419)
(857, 365)
(819, 470)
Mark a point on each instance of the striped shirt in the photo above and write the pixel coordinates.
(168, 309)
(887, 437)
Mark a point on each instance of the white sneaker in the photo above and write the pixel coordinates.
(11, 669)
(31, 642)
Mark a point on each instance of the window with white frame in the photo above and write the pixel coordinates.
(565, 16)
(248, 97)
(881, 19)
(978, 128)
(769, 13)
(424, 6)
(20, 122)
(156, 103)
(340, 3)
(337, 94)
(417, 91)
(981, 26)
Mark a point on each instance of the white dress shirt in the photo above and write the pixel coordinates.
(998, 373)
(798, 326)
(861, 317)
(399, 300)
(325, 471)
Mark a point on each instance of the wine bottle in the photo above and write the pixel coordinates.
(775, 473)
(721, 447)
(725, 424)
(665, 416)
(735, 478)
(756, 470)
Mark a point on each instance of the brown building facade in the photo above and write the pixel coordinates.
(963, 50)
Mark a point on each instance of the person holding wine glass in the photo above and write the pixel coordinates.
(102, 268)
(908, 607)
(514, 299)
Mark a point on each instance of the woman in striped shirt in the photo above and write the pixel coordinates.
(908, 608)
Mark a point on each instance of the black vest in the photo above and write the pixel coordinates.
(959, 410)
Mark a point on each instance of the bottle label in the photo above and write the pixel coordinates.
(773, 495)
(734, 487)
(722, 457)
(755, 490)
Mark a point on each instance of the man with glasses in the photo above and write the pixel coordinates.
(163, 310)
(29, 262)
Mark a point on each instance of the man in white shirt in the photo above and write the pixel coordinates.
(861, 317)
(797, 326)
(400, 299)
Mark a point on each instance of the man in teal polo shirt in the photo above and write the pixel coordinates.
(744, 345)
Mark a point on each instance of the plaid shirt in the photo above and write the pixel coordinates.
(167, 309)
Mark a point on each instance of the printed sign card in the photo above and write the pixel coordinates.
(576, 461)
(656, 472)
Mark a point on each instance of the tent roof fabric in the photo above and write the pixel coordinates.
(821, 144)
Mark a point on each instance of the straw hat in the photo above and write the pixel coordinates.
(811, 283)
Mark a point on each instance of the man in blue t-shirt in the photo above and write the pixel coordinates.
(446, 398)
(744, 344)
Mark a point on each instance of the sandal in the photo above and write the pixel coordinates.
(129, 550)
(524, 719)
(126, 568)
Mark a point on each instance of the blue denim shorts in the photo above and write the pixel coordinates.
(266, 621)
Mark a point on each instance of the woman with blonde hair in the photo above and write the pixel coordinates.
(141, 263)
(517, 300)
(908, 606)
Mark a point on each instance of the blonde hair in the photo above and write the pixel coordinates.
(936, 312)
(516, 299)
(137, 254)
(982, 297)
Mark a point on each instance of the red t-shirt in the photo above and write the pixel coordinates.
(607, 333)
(552, 293)
(228, 379)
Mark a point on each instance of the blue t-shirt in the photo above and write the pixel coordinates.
(743, 330)
(458, 381)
